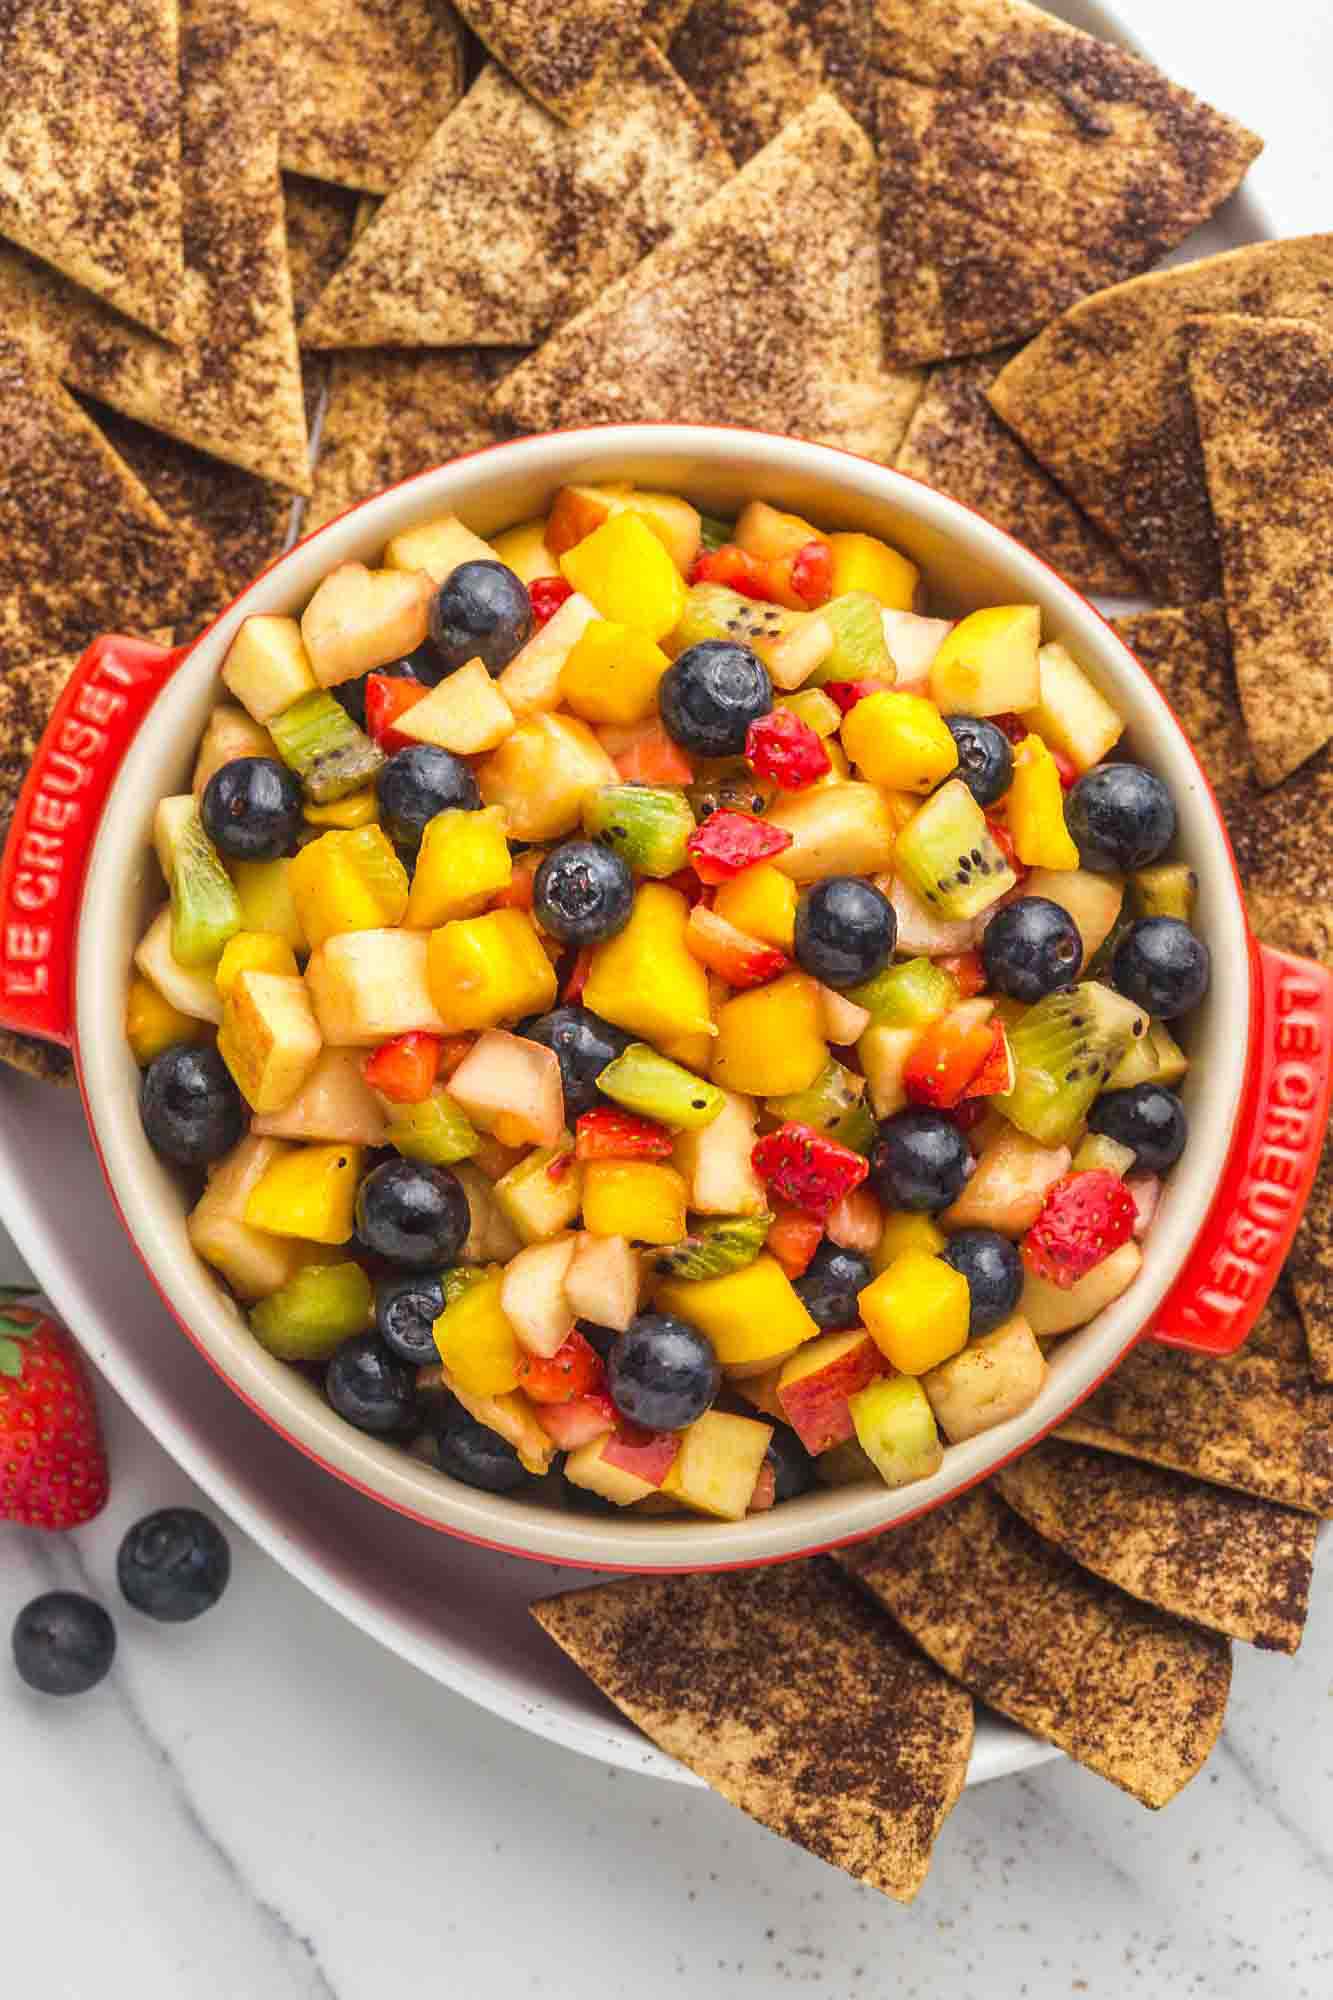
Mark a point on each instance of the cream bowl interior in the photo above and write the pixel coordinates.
(967, 563)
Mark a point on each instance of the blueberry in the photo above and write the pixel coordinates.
(419, 782)
(793, 1467)
(252, 809)
(845, 931)
(919, 1161)
(1149, 1119)
(583, 892)
(601, 1338)
(830, 1284)
(406, 1310)
(584, 1044)
(662, 1373)
(710, 694)
(1120, 817)
(413, 1214)
(994, 1272)
(370, 1387)
(191, 1109)
(1030, 948)
(63, 1643)
(476, 1455)
(422, 665)
(1161, 966)
(481, 611)
(174, 1564)
(985, 757)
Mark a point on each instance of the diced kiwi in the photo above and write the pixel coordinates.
(713, 611)
(1166, 890)
(844, 1465)
(646, 825)
(816, 709)
(1172, 1062)
(833, 1103)
(950, 857)
(652, 1086)
(436, 1131)
(205, 909)
(714, 1247)
(1066, 1048)
(730, 787)
(542, 1194)
(860, 650)
(1156, 1057)
(910, 995)
(323, 1305)
(318, 740)
(715, 533)
(1098, 1154)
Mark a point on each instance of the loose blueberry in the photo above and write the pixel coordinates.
(845, 930)
(63, 1643)
(919, 1161)
(601, 1338)
(582, 892)
(370, 1387)
(252, 809)
(413, 1214)
(994, 1272)
(662, 1373)
(830, 1284)
(1161, 966)
(1120, 817)
(584, 1044)
(793, 1467)
(710, 695)
(1030, 948)
(481, 611)
(1148, 1118)
(985, 757)
(419, 782)
(476, 1455)
(406, 1310)
(174, 1564)
(191, 1109)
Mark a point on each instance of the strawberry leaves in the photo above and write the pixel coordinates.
(12, 1331)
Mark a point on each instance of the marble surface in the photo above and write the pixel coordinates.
(265, 1806)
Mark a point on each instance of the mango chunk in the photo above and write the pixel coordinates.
(486, 970)
(464, 860)
(626, 572)
(646, 979)
(754, 1317)
(308, 1191)
(770, 1041)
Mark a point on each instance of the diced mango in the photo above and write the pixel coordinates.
(987, 665)
(863, 562)
(476, 1342)
(523, 549)
(437, 547)
(367, 986)
(646, 979)
(1037, 809)
(626, 572)
(770, 1041)
(719, 1460)
(638, 1199)
(541, 772)
(754, 1317)
(348, 881)
(253, 1261)
(268, 668)
(264, 890)
(485, 970)
(253, 951)
(466, 713)
(463, 862)
(900, 741)
(611, 674)
(308, 1191)
(152, 1024)
(761, 901)
(905, 1231)
(357, 809)
(269, 1038)
(917, 1311)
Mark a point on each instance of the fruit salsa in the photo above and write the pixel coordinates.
(654, 1007)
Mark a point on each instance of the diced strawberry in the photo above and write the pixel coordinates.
(782, 747)
(793, 1238)
(546, 594)
(687, 884)
(572, 990)
(848, 693)
(573, 1371)
(947, 1056)
(387, 697)
(807, 1168)
(607, 1133)
(737, 569)
(1083, 1219)
(653, 759)
(799, 581)
(996, 1074)
(1011, 725)
(1067, 768)
(729, 841)
(404, 1070)
(812, 574)
(453, 1048)
(571, 1424)
(1004, 840)
(967, 971)
(740, 960)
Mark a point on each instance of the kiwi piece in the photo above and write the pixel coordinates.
(714, 1248)
(713, 611)
(1172, 1062)
(650, 1085)
(648, 826)
(950, 857)
(435, 1130)
(730, 786)
(320, 1307)
(910, 995)
(205, 909)
(834, 1103)
(1166, 890)
(1098, 1154)
(1066, 1048)
(1156, 1057)
(860, 650)
(715, 533)
(318, 739)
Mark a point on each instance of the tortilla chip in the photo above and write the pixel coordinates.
(1310, 1271)
(1237, 1565)
(759, 311)
(234, 388)
(90, 149)
(562, 54)
(755, 63)
(790, 1695)
(510, 222)
(363, 84)
(1101, 398)
(956, 442)
(389, 416)
(661, 18)
(321, 223)
(1121, 1687)
(1024, 164)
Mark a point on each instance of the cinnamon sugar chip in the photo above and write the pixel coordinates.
(661, 18)
(754, 64)
(563, 52)
(321, 223)
(1133, 1694)
(792, 1697)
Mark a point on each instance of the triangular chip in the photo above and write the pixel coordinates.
(90, 148)
(1263, 401)
(1024, 164)
(755, 63)
(1135, 1695)
(1101, 398)
(790, 1695)
(321, 224)
(510, 222)
(389, 416)
(363, 85)
(759, 311)
(1235, 1564)
(234, 388)
(661, 18)
(956, 442)
(561, 51)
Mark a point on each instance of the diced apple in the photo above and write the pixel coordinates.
(857, 1223)
(922, 933)
(269, 1039)
(531, 681)
(523, 549)
(466, 713)
(253, 1262)
(492, 1238)
(267, 667)
(1071, 714)
(994, 1378)
(570, 1425)
(334, 1104)
(1049, 1310)
(533, 1298)
(843, 1021)
(1008, 1186)
(765, 1490)
(839, 829)
(368, 986)
(437, 547)
(913, 642)
(761, 1391)
(540, 774)
(511, 1087)
(228, 734)
(631, 1474)
(716, 1162)
(513, 1418)
(360, 619)
(542, 1195)
(1146, 1191)
(576, 512)
(814, 1386)
(605, 1280)
(987, 665)
(718, 1463)
(884, 1054)
(192, 991)
(1093, 901)
(493, 1159)
(651, 1457)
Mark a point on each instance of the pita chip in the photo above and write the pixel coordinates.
(790, 1695)
(956, 442)
(760, 310)
(1119, 1686)
(321, 224)
(1101, 398)
(510, 222)
(1237, 1565)
(563, 54)
(90, 151)
(661, 18)
(754, 64)
(1024, 164)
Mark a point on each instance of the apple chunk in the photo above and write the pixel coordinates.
(1012, 1179)
(532, 1295)
(360, 619)
(620, 1471)
(993, 1379)
(815, 1385)
(511, 1087)
(335, 1104)
(604, 1281)
(718, 1465)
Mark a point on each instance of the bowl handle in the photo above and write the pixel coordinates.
(54, 824)
(1279, 1135)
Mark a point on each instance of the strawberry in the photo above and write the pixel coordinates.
(546, 594)
(782, 747)
(52, 1464)
(567, 1376)
(1084, 1218)
(807, 1168)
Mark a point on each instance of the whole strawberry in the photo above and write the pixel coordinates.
(52, 1464)
(1084, 1218)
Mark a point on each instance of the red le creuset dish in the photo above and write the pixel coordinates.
(76, 884)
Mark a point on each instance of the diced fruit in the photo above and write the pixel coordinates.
(268, 668)
(948, 855)
(923, 930)
(918, 1311)
(995, 1378)
(189, 991)
(607, 1133)
(913, 643)
(845, 1465)
(752, 1316)
(577, 511)
(729, 842)
(814, 1387)
(770, 1041)
(153, 1024)
(348, 881)
(988, 663)
(791, 644)
(638, 1199)
(718, 1463)
(1052, 1309)
(677, 525)
(717, 1165)
(1065, 1049)
(523, 549)
(368, 986)
(1084, 1218)
(263, 889)
(834, 1103)
(466, 713)
(437, 547)
(478, 1346)
(611, 673)
(836, 829)
(740, 960)
(532, 679)
(604, 1281)
(228, 735)
(511, 1086)
(808, 1168)
(388, 698)
(360, 619)
(205, 910)
(951, 1055)
(357, 809)
(844, 1020)
(1155, 1058)
(1011, 1180)
(863, 562)
(649, 757)
(540, 773)
(895, 1427)
(1071, 715)
(626, 572)
(621, 1471)
(308, 1191)
(463, 862)
(884, 1054)
(769, 534)
(646, 979)
(269, 1038)
(484, 970)
(569, 1425)
(1167, 889)
(905, 1231)
(1098, 1154)
(899, 740)
(317, 1309)
(533, 1298)
(1093, 901)
(815, 708)
(909, 995)
(860, 649)
(570, 1375)
(491, 1237)
(253, 1262)
(648, 826)
(783, 747)
(436, 1131)
(542, 1194)
(318, 740)
(1037, 809)
(510, 1417)
(334, 1103)
(713, 1249)
(652, 1086)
